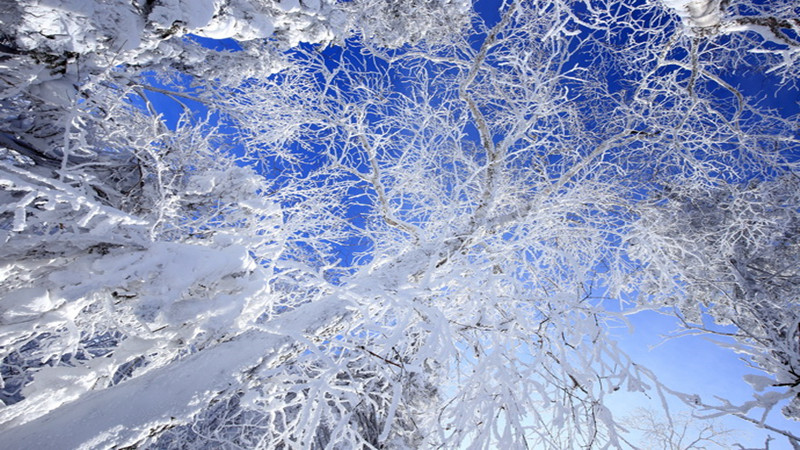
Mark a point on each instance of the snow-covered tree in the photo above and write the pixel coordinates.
(63, 59)
(405, 240)
(729, 252)
(680, 432)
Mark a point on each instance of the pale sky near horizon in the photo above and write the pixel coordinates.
(694, 365)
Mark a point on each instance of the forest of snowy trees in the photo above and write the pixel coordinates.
(388, 223)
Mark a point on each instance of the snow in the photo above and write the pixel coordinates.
(58, 92)
(696, 13)
(289, 5)
(313, 5)
(165, 296)
(222, 27)
(79, 26)
(123, 414)
(759, 382)
(764, 31)
(25, 304)
(104, 34)
(190, 14)
(197, 290)
(240, 21)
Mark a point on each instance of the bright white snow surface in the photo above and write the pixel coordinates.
(125, 413)
(122, 413)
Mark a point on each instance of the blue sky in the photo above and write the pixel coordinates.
(694, 365)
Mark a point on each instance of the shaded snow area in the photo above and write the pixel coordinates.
(162, 298)
(106, 34)
(128, 412)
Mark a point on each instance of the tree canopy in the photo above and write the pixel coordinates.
(388, 224)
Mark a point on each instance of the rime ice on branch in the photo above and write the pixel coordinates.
(408, 238)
